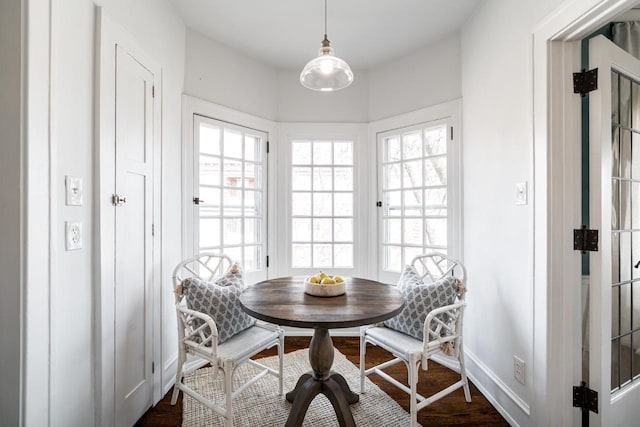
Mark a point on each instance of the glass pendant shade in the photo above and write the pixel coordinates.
(327, 72)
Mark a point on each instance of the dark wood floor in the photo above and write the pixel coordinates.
(452, 410)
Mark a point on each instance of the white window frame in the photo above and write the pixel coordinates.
(449, 112)
(192, 107)
(357, 133)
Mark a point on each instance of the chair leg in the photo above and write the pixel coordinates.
(363, 350)
(413, 383)
(280, 362)
(228, 391)
(176, 390)
(463, 374)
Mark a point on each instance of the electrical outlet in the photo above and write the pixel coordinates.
(74, 235)
(518, 369)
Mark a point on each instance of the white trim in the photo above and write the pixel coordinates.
(27, 258)
(194, 106)
(556, 270)
(158, 279)
(504, 401)
(169, 380)
(108, 35)
(452, 112)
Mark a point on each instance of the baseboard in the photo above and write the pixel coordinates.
(169, 372)
(511, 406)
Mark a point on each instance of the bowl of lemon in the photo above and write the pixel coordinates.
(323, 285)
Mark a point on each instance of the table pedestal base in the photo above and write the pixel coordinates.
(321, 380)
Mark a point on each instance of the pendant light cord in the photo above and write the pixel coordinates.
(325, 19)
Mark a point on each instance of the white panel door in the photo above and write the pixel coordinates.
(614, 168)
(133, 245)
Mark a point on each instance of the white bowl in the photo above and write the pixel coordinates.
(319, 290)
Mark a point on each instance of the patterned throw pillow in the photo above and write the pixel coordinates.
(233, 277)
(220, 300)
(420, 299)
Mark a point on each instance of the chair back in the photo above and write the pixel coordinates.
(197, 332)
(434, 266)
(204, 266)
(443, 325)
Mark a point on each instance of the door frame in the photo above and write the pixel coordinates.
(557, 196)
(108, 35)
(195, 106)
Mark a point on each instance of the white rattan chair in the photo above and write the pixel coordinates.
(200, 339)
(440, 337)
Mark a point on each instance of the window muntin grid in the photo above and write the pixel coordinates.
(414, 194)
(230, 182)
(322, 222)
(625, 232)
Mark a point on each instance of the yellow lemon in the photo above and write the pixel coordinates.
(323, 275)
(328, 281)
(313, 279)
(338, 279)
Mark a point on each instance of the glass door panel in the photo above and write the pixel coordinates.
(413, 191)
(229, 179)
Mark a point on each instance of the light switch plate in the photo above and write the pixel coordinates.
(521, 193)
(74, 235)
(74, 190)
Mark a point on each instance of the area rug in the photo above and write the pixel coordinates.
(260, 405)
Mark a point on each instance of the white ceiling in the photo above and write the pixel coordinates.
(287, 33)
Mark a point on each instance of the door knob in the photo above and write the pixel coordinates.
(197, 200)
(118, 200)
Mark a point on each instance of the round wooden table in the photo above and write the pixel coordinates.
(282, 301)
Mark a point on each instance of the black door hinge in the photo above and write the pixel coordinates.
(585, 240)
(267, 261)
(585, 81)
(585, 399)
(379, 204)
(267, 147)
(153, 367)
(153, 91)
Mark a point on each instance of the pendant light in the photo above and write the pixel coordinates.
(327, 72)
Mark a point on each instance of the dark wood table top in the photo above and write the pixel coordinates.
(282, 301)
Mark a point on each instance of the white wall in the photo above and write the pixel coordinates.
(10, 210)
(161, 35)
(498, 235)
(221, 75)
(299, 104)
(427, 77)
(224, 76)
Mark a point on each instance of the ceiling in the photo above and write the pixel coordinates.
(287, 33)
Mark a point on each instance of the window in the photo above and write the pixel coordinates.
(322, 204)
(414, 189)
(229, 191)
